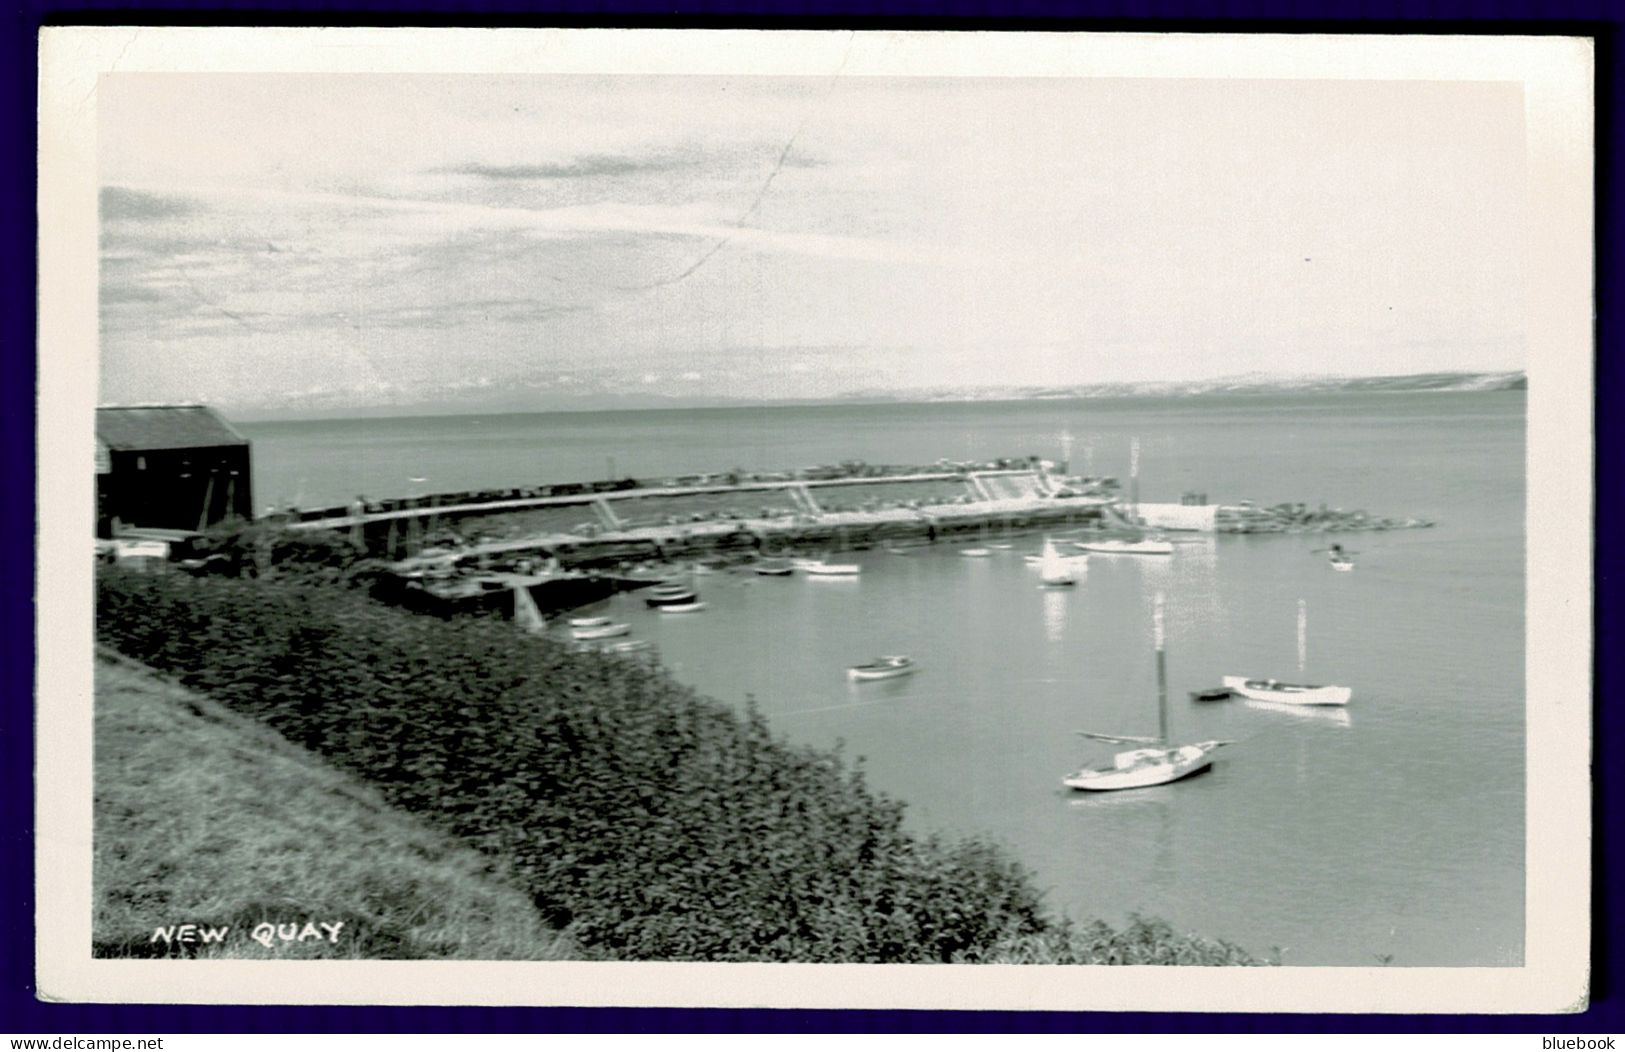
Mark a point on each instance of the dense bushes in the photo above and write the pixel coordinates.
(250, 829)
(654, 823)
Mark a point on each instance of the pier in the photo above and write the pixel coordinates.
(598, 526)
(573, 544)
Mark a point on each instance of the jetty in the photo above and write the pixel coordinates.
(604, 524)
(573, 544)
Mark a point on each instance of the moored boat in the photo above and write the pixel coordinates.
(681, 608)
(1153, 761)
(1287, 693)
(1055, 571)
(606, 630)
(889, 667)
(820, 568)
(1147, 546)
(772, 566)
(670, 595)
(1155, 764)
(1279, 693)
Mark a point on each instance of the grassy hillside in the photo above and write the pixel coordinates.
(204, 816)
(648, 821)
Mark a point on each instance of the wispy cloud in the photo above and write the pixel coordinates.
(427, 218)
(588, 167)
(119, 202)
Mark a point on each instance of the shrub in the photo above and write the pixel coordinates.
(652, 822)
(657, 824)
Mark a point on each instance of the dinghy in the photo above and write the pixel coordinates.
(820, 568)
(1279, 693)
(670, 595)
(1147, 546)
(606, 630)
(1287, 693)
(882, 668)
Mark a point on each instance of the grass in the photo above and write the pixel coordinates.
(646, 821)
(205, 816)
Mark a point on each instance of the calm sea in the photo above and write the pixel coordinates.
(1396, 832)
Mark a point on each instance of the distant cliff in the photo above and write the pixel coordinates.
(1246, 384)
(533, 397)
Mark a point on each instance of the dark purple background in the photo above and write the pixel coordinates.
(21, 1013)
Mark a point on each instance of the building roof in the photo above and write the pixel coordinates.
(164, 427)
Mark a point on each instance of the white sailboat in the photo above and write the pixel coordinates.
(1142, 545)
(1154, 761)
(821, 567)
(1274, 691)
(1054, 571)
(525, 612)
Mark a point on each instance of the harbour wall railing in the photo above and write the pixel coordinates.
(794, 508)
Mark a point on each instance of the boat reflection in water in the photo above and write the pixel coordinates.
(1055, 606)
(1331, 715)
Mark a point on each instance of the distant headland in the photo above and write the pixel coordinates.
(541, 397)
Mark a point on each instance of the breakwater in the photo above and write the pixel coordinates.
(459, 550)
(600, 526)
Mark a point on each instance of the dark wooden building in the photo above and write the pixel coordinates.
(173, 467)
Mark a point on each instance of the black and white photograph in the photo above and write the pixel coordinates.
(580, 503)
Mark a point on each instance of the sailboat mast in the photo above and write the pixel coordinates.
(1162, 670)
(1303, 636)
(1134, 478)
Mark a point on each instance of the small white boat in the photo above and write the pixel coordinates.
(773, 567)
(1055, 571)
(1345, 565)
(820, 568)
(588, 622)
(670, 595)
(882, 668)
(525, 612)
(681, 608)
(1154, 761)
(1155, 764)
(604, 631)
(1279, 693)
(975, 553)
(1287, 693)
(1148, 546)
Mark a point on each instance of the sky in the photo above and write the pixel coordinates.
(285, 243)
